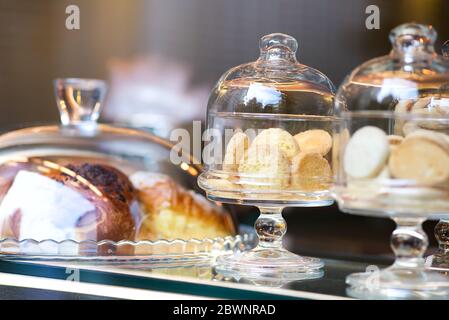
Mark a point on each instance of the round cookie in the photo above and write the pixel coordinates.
(310, 172)
(279, 138)
(265, 167)
(366, 152)
(235, 151)
(316, 140)
(420, 159)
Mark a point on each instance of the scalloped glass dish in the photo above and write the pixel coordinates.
(82, 190)
(159, 251)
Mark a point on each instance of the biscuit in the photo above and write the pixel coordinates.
(265, 167)
(235, 151)
(403, 106)
(421, 103)
(366, 153)
(310, 172)
(439, 138)
(394, 140)
(420, 159)
(312, 141)
(279, 138)
(409, 127)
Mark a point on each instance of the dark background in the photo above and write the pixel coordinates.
(209, 36)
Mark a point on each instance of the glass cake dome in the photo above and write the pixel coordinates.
(392, 157)
(83, 189)
(268, 143)
(276, 104)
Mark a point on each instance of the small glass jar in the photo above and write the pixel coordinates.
(393, 156)
(268, 143)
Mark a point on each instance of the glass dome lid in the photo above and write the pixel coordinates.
(268, 84)
(412, 70)
(82, 188)
(273, 108)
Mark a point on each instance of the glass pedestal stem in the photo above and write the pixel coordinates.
(270, 228)
(409, 243)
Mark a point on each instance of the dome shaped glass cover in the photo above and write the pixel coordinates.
(83, 189)
(268, 144)
(392, 157)
(281, 107)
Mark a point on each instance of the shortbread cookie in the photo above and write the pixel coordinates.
(439, 138)
(420, 159)
(394, 140)
(421, 103)
(265, 168)
(312, 141)
(409, 127)
(310, 172)
(403, 106)
(235, 151)
(279, 138)
(366, 152)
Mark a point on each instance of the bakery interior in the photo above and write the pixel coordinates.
(161, 59)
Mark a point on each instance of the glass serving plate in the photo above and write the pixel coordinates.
(90, 191)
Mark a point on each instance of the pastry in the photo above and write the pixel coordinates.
(171, 212)
(310, 172)
(78, 202)
(280, 139)
(312, 141)
(366, 153)
(265, 167)
(235, 151)
(421, 159)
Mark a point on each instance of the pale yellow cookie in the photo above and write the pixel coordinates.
(403, 106)
(279, 138)
(235, 151)
(420, 159)
(265, 167)
(366, 153)
(439, 138)
(409, 127)
(394, 141)
(310, 172)
(312, 141)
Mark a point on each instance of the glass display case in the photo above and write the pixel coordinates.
(268, 144)
(85, 190)
(392, 158)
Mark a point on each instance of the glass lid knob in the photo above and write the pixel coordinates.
(79, 100)
(413, 36)
(278, 46)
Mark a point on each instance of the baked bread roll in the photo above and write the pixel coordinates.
(170, 212)
(77, 202)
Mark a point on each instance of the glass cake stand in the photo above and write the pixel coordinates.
(272, 118)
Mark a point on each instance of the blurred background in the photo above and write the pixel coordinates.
(161, 58)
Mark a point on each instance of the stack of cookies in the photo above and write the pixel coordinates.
(276, 160)
(420, 159)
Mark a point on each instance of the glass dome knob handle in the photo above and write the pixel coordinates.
(79, 100)
(412, 36)
(278, 45)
